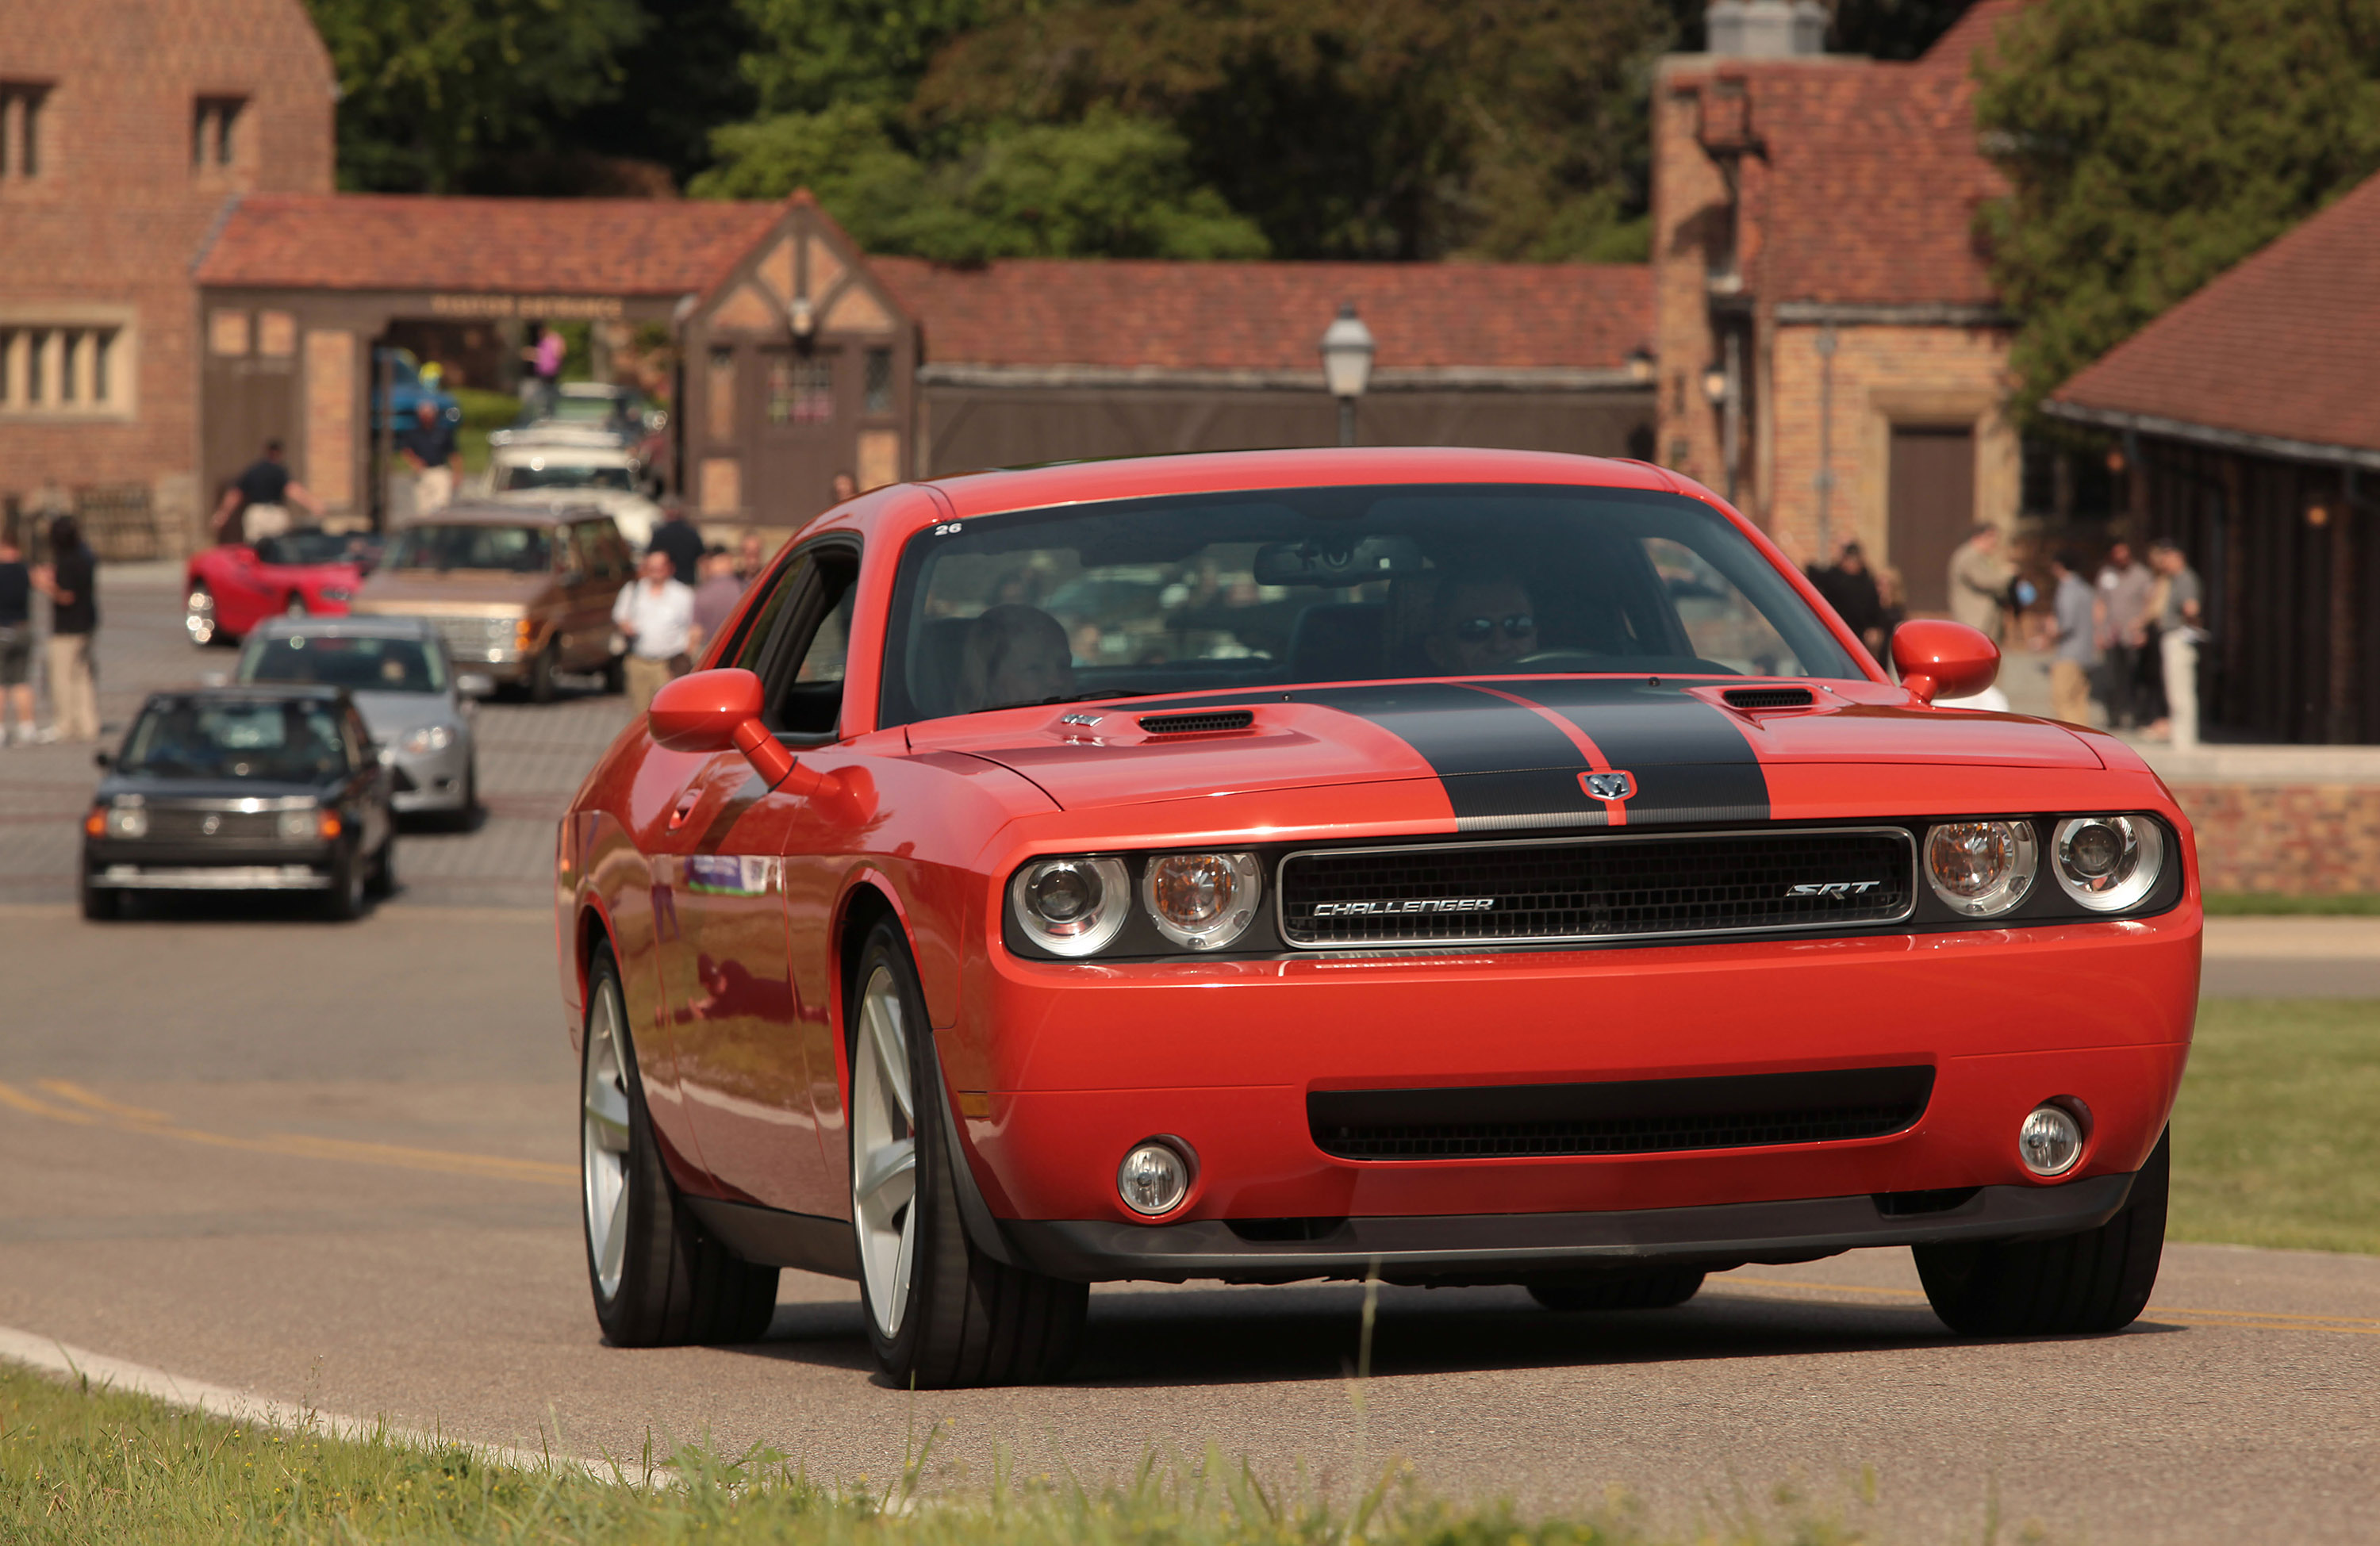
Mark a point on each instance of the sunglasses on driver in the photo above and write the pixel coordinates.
(1475, 629)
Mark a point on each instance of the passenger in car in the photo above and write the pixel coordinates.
(1480, 623)
(1015, 655)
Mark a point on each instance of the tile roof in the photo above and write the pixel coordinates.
(1956, 49)
(2280, 345)
(592, 247)
(1181, 316)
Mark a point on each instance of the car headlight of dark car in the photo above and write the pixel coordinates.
(124, 821)
(423, 740)
(306, 823)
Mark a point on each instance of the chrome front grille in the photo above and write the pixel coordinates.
(478, 638)
(169, 825)
(1606, 886)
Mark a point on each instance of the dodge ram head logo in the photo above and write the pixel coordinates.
(1608, 786)
(1834, 888)
(1410, 904)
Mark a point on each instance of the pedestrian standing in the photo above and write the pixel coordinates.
(1979, 582)
(676, 540)
(16, 641)
(2074, 616)
(840, 487)
(544, 359)
(1851, 590)
(71, 581)
(2124, 585)
(2180, 627)
(260, 500)
(655, 614)
(752, 557)
(1892, 607)
(428, 447)
(715, 599)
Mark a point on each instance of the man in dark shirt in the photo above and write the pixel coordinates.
(676, 537)
(428, 446)
(71, 581)
(261, 497)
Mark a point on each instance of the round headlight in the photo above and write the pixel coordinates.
(1153, 1179)
(422, 740)
(2051, 1141)
(298, 826)
(128, 823)
(1071, 907)
(1204, 900)
(1982, 868)
(2107, 862)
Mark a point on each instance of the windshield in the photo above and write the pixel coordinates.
(574, 409)
(304, 546)
(283, 741)
(1336, 585)
(541, 472)
(514, 549)
(361, 664)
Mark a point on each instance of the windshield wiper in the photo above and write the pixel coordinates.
(1087, 697)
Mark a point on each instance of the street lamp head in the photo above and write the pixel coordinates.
(1715, 385)
(1347, 354)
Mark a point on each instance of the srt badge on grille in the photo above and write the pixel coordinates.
(1409, 904)
(1834, 888)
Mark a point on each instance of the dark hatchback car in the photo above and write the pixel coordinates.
(257, 788)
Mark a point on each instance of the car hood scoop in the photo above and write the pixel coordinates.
(1509, 752)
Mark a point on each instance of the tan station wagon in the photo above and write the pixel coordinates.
(518, 592)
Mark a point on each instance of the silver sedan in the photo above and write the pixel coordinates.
(396, 670)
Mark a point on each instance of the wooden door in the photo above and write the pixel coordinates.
(801, 413)
(1932, 492)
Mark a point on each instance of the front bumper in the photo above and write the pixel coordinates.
(432, 783)
(140, 866)
(1057, 1069)
(1500, 1247)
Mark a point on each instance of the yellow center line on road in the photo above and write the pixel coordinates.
(2250, 1319)
(101, 1112)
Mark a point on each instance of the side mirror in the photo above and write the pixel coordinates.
(1942, 659)
(103, 759)
(716, 711)
(476, 684)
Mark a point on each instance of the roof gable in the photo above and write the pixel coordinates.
(2281, 345)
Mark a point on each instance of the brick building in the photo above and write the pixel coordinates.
(127, 126)
(2248, 410)
(1831, 351)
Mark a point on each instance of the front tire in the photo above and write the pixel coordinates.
(344, 902)
(540, 676)
(1653, 1290)
(940, 1313)
(380, 881)
(658, 1280)
(101, 904)
(2093, 1282)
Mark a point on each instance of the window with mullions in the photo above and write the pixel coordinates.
(801, 389)
(20, 128)
(879, 383)
(50, 368)
(211, 122)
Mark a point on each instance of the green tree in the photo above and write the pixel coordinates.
(813, 55)
(2151, 144)
(1350, 128)
(431, 87)
(1108, 185)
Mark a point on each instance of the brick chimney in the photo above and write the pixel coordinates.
(1766, 29)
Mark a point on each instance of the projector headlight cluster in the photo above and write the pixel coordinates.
(2103, 863)
(1982, 868)
(1076, 906)
(2107, 862)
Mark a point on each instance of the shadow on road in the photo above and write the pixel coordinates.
(1215, 1337)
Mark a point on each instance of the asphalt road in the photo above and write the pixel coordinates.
(337, 1163)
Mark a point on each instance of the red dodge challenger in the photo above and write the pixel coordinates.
(1456, 866)
(228, 590)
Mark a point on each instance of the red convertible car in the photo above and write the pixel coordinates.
(229, 589)
(1459, 867)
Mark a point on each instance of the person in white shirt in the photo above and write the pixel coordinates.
(656, 615)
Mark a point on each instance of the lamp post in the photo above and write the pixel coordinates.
(1346, 365)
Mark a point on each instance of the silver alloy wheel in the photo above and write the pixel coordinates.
(199, 615)
(884, 1153)
(604, 1142)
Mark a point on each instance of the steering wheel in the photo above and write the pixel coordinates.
(1565, 659)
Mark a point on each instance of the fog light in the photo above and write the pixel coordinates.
(1153, 1179)
(2051, 1141)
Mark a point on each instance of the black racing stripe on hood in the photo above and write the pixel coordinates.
(1689, 759)
(1502, 765)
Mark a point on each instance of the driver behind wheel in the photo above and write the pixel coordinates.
(1016, 654)
(1480, 625)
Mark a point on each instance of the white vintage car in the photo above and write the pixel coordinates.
(539, 467)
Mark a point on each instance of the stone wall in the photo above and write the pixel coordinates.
(2290, 839)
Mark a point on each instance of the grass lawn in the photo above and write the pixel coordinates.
(482, 412)
(85, 1466)
(2276, 1137)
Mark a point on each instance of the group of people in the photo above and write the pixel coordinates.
(2132, 632)
(684, 592)
(70, 580)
